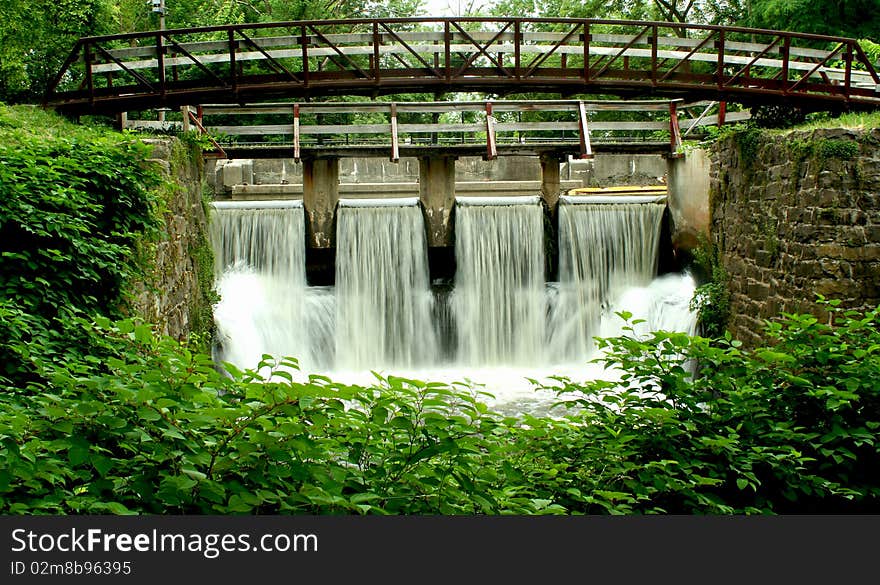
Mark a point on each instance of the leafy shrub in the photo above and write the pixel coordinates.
(692, 426)
(73, 203)
(165, 432)
(777, 115)
(789, 428)
(711, 299)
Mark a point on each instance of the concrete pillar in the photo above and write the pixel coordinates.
(551, 183)
(688, 198)
(437, 194)
(320, 195)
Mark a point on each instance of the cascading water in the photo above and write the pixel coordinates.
(606, 247)
(383, 292)
(259, 251)
(498, 325)
(498, 300)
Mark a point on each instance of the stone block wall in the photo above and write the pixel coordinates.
(795, 215)
(177, 293)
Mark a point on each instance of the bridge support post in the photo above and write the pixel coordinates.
(551, 183)
(688, 184)
(437, 194)
(320, 195)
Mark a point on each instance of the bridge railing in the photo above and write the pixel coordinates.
(244, 63)
(392, 126)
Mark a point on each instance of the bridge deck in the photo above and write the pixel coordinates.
(247, 63)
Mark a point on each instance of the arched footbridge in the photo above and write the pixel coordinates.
(242, 64)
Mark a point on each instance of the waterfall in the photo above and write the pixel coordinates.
(605, 249)
(498, 300)
(497, 323)
(259, 252)
(384, 300)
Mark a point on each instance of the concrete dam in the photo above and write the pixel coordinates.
(496, 283)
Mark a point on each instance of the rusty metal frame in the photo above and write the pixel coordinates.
(197, 120)
(271, 60)
(178, 47)
(687, 57)
(748, 66)
(406, 45)
(538, 60)
(481, 49)
(418, 74)
(140, 78)
(318, 34)
(625, 48)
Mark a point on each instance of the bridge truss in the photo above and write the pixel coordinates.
(246, 64)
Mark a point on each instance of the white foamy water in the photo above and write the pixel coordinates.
(605, 249)
(499, 326)
(383, 296)
(499, 301)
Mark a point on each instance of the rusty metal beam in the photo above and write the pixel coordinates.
(491, 147)
(586, 146)
(674, 131)
(395, 145)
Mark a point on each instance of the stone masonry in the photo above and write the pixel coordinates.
(175, 294)
(795, 215)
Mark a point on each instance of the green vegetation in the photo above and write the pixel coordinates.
(74, 202)
(711, 298)
(790, 428)
(100, 415)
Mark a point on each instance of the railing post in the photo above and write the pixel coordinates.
(491, 147)
(586, 146)
(233, 75)
(786, 51)
(722, 113)
(376, 54)
(720, 72)
(517, 41)
(296, 148)
(447, 50)
(395, 146)
(90, 80)
(847, 85)
(587, 39)
(655, 34)
(160, 63)
(674, 131)
(304, 44)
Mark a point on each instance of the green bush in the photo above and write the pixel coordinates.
(73, 203)
(700, 426)
(692, 426)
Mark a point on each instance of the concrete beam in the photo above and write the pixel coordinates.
(320, 195)
(437, 194)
